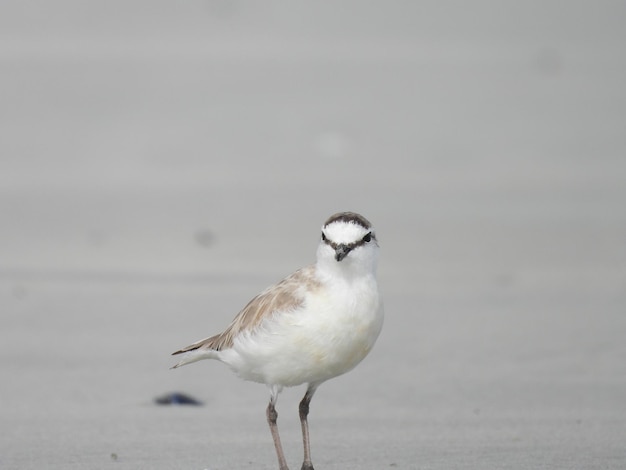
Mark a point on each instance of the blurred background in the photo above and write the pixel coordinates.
(162, 162)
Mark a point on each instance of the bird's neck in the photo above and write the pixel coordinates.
(347, 270)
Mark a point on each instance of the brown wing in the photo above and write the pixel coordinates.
(285, 296)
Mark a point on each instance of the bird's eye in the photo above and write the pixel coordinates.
(323, 236)
(368, 237)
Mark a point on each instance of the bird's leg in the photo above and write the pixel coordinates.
(304, 412)
(272, 416)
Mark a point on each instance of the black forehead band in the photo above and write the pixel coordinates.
(349, 217)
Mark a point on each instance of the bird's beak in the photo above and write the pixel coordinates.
(342, 251)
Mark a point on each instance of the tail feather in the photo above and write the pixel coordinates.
(197, 351)
(194, 356)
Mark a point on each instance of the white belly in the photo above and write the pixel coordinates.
(333, 332)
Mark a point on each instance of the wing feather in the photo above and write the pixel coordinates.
(285, 296)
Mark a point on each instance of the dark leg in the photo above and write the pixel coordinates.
(272, 416)
(304, 412)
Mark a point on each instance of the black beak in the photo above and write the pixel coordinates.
(342, 251)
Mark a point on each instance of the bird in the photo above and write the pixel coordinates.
(314, 325)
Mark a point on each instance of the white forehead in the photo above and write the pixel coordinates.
(344, 232)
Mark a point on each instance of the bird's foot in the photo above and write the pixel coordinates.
(307, 466)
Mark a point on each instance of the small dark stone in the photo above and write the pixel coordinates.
(177, 398)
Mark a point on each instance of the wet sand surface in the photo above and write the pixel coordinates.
(161, 163)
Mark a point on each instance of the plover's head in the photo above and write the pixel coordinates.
(348, 239)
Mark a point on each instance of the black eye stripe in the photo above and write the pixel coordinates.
(366, 239)
(328, 242)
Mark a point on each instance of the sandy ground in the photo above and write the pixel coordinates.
(161, 162)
